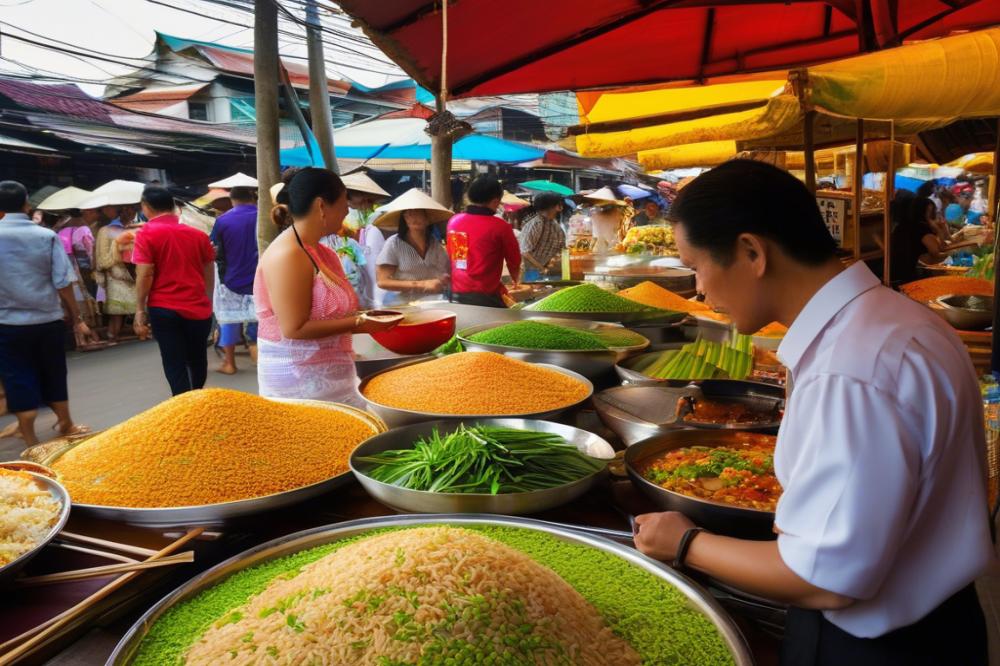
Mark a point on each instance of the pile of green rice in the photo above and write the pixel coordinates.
(580, 606)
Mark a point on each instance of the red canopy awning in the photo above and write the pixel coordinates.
(531, 46)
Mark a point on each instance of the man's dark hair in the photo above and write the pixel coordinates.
(484, 189)
(242, 194)
(546, 201)
(746, 196)
(158, 198)
(927, 188)
(13, 196)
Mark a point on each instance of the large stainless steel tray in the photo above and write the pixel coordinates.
(638, 412)
(514, 504)
(699, 599)
(56, 489)
(216, 514)
(720, 518)
(396, 417)
(590, 363)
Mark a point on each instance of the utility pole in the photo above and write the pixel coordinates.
(265, 70)
(319, 94)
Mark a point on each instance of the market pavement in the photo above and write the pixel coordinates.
(109, 386)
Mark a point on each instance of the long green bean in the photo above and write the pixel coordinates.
(483, 459)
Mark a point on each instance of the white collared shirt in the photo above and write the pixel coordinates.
(881, 455)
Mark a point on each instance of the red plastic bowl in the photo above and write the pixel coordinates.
(419, 333)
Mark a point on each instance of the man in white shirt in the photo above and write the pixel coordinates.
(883, 525)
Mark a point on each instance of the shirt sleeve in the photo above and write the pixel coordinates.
(529, 236)
(142, 252)
(63, 274)
(388, 256)
(207, 251)
(511, 251)
(850, 481)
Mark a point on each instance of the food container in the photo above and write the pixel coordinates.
(9, 572)
(421, 501)
(419, 332)
(224, 512)
(720, 518)
(590, 363)
(966, 313)
(699, 600)
(395, 416)
(636, 413)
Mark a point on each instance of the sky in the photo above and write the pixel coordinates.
(120, 30)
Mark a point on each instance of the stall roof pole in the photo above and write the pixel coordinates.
(890, 192)
(809, 146)
(995, 351)
(859, 167)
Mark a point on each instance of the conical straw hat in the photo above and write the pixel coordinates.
(360, 182)
(412, 199)
(67, 197)
(604, 194)
(238, 179)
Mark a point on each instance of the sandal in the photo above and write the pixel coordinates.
(77, 430)
(13, 430)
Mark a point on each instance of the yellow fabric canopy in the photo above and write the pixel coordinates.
(920, 86)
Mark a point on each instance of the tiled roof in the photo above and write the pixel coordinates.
(154, 99)
(64, 99)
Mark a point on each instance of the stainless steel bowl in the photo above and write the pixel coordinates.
(966, 313)
(9, 572)
(717, 517)
(591, 363)
(514, 504)
(396, 417)
(699, 600)
(629, 319)
(638, 412)
(223, 512)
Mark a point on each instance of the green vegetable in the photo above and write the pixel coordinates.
(483, 459)
(588, 298)
(702, 359)
(540, 335)
(453, 346)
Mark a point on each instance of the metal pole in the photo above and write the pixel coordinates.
(265, 68)
(319, 93)
(809, 150)
(890, 192)
(859, 167)
(995, 350)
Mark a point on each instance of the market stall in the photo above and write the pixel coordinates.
(206, 475)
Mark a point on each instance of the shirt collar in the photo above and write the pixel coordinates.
(473, 209)
(165, 218)
(20, 218)
(823, 307)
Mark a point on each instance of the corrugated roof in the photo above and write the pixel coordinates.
(155, 99)
(64, 99)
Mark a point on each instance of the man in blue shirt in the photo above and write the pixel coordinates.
(35, 276)
(235, 238)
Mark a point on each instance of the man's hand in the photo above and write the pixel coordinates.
(658, 534)
(80, 328)
(141, 325)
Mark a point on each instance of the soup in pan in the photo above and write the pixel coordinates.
(740, 474)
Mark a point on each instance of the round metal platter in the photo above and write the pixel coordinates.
(588, 362)
(516, 504)
(396, 417)
(9, 571)
(700, 600)
(215, 514)
(721, 518)
(654, 318)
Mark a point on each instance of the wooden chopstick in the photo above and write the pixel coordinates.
(91, 551)
(111, 545)
(105, 570)
(33, 638)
